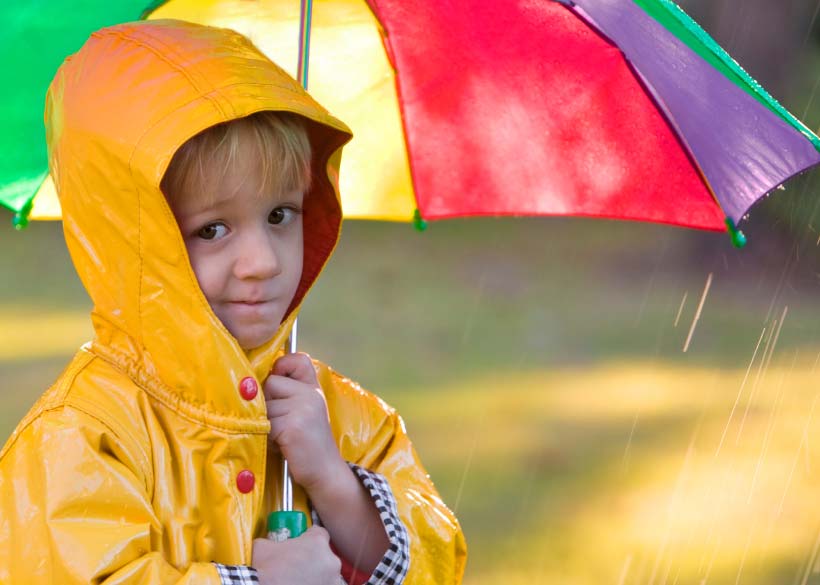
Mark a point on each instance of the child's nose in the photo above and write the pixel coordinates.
(258, 258)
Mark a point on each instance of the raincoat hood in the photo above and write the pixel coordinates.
(116, 112)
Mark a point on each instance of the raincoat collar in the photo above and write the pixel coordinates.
(115, 114)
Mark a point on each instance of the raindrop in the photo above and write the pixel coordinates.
(812, 558)
(469, 461)
(697, 313)
(811, 26)
(625, 459)
(740, 392)
(745, 554)
(767, 436)
(804, 444)
(771, 342)
(625, 570)
(683, 302)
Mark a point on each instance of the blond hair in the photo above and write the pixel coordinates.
(279, 143)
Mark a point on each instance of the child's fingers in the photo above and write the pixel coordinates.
(277, 408)
(278, 387)
(297, 366)
(296, 413)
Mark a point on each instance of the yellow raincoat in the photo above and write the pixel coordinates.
(125, 471)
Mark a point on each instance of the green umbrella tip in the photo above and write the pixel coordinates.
(738, 237)
(20, 221)
(21, 218)
(418, 222)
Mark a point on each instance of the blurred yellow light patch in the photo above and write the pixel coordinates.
(28, 333)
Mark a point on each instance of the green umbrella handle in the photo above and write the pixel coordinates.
(284, 525)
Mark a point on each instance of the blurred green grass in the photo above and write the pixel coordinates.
(540, 373)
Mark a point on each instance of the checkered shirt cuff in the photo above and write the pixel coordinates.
(393, 567)
(237, 574)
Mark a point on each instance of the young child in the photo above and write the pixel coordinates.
(199, 190)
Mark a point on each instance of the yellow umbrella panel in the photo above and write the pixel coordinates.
(350, 74)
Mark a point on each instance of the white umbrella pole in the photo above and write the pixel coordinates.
(287, 482)
(305, 13)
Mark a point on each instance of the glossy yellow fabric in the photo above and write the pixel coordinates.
(350, 73)
(125, 470)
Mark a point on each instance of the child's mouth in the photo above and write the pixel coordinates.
(250, 302)
(252, 309)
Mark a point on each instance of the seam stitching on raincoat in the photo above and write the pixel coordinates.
(162, 57)
(355, 386)
(64, 383)
(139, 247)
(167, 53)
(82, 360)
(160, 392)
(202, 94)
(276, 85)
(162, 52)
(78, 406)
(259, 500)
(66, 400)
(235, 495)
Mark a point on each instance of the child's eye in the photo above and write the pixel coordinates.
(212, 231)
(282, 215)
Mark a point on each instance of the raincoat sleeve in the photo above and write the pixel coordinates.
(75, 507)
(372, 435)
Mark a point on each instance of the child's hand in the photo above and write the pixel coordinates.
(306, 560)
(299, 422)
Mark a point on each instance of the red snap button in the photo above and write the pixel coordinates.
(245, 481)
(248, 388)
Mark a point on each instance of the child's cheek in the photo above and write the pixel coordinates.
(207, 274)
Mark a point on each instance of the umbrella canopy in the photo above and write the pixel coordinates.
(621, 109)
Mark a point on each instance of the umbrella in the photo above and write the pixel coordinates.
(620, 109)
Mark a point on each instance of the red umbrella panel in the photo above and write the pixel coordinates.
(591, 108)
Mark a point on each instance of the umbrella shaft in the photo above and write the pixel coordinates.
(287, 492)
(287, 482)
(305, 12)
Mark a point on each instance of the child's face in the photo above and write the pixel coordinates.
(246, 252)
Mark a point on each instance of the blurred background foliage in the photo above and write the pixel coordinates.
(539, 364)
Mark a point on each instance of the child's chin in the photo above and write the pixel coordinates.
(251, 342)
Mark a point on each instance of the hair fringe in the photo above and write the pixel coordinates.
(279, 141)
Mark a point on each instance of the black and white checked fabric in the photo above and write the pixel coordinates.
(237, 574)
(393, 567)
